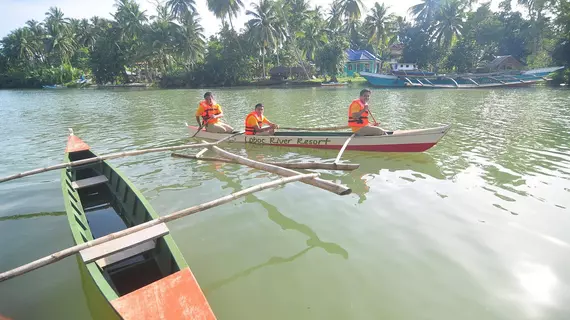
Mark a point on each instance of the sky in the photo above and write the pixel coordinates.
(15, 13)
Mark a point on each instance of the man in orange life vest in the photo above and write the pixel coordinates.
(358, 116)
(211, 112)
(255, 120)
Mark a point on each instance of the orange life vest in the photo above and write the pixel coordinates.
(249, 130)
(363, 121)
(209, 111)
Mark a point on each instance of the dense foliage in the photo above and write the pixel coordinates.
(169, 47)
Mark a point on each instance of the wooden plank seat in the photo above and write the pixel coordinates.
(125, 247)
(84, 183)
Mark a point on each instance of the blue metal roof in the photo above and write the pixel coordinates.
(355, 55)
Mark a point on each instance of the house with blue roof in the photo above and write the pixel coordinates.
(361, 60)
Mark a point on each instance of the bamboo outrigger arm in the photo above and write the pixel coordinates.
(113, 156)
(320, 183)
(316, 129)
(300, 165)
(170, 217)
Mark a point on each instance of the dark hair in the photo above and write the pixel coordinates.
(363, 91)
(207, 94)
(258, 105)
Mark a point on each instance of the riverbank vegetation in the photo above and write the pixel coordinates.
(168, 47)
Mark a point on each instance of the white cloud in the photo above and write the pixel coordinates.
(15, 13)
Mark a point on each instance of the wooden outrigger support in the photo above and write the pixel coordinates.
(112, 156)
(301, 165)
(316, 129)
(454, 82)
(343, 147)
(320, 183)
(138, 228)
(473, 81)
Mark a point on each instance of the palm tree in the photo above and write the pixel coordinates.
(425, 11)
(335, 12)
(59, 39)
(378, 26)
(352, 9)
(190, 35)
(19, 47)
(225, 8)
(265, 27)
(37, 35)
(55, 22)
(449, 23)
(312, 38)
(130, 18)
(297, 13)
(181, 8)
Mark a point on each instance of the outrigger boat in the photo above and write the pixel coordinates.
(418, 140)
(142, 275)
(417, 79)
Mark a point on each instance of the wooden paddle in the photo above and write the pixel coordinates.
(199, 128)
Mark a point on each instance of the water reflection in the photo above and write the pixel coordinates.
(285, 223)
(419, 165)
(216, 170)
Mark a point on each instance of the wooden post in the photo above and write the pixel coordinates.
(302, 165)
(343, 147)
(173, 216)
(113, 156)
(323, 184)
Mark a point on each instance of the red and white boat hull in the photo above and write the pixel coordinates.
(418, 140)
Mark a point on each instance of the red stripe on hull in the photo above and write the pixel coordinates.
(411, 147)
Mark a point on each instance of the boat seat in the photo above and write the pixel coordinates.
(125, 247)
(84, 183)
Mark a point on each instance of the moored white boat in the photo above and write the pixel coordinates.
(417, 140)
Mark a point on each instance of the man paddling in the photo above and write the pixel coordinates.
(358, 116)
(255, 120)
(211, 112)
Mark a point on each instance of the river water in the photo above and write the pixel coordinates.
(474, 228)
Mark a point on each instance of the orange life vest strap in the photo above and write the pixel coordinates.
(209, 111)
(360, 122)
(249, 130)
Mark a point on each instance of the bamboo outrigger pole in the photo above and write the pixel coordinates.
(343, 147)
(173, 216)
(113, 156)
(301, 165)
(315, 129)
(323, 184)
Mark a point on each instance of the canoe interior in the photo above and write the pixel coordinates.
(100, 209)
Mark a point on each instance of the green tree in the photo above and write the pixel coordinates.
(225, 9)
(332, 57)
(265, 28)
(448, 23)
(379, 26)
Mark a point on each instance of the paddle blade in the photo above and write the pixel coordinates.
(75, 144)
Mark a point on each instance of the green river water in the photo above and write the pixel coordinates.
(474, 228)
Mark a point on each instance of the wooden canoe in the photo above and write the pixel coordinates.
(142, 275)
(418, 140)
